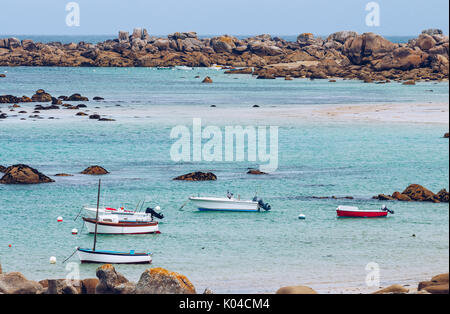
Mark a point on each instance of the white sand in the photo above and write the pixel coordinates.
(273, 115)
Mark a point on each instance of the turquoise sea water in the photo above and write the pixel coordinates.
(227, 252)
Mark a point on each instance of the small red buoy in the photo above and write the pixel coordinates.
(59, 219)
(74, 231)
(10, 245)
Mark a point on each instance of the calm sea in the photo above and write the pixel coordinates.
(227, 252)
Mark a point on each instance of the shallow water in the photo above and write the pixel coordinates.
(227, 252)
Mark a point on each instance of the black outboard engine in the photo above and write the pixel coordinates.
(263, 205)
(152, 212)
(384, 207)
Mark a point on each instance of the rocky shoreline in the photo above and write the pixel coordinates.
(161, 281)
(345, 54)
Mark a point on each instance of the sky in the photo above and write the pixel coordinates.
(234, 17)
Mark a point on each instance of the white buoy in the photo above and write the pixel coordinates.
(301, 216)
(59, 219)
(74, 231)
(157, 208)
(52, 260)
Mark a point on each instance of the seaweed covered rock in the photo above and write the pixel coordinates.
(23, 174)
(95, 170)
(162, 281)
(197, 176)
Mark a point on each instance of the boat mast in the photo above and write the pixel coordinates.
(96, 214)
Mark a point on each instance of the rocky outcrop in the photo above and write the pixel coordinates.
(162, 281)
(110, 281)
(255, 172)
(418, 193)
(197, 176)
(95, 170)
(394, 289)
(296, 290)
(23, 174)
(16, 283)
(437, 285)
(207, 80)
(62, 286)
(346, 54)
(41, 96)
(446, 135)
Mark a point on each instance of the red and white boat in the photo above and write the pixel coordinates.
(355, 212)
(111, 224)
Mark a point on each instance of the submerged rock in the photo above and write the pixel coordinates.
(162, 281)
(95, 170)
(296, 290)
(63, 175)
(255, 171)
(207, 80)
(197, 176)
(23, 174)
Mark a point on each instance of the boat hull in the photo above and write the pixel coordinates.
(90, 256)
(91, 212)
(121, 227)
(360, 214)
(225, 204)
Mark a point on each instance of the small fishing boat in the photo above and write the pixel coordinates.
(355, 212)
(229, 204)
(111, 224)
(183, 67)
(125, 215)
(110, 257)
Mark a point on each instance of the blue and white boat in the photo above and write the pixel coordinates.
(228, 204)
(112, 257)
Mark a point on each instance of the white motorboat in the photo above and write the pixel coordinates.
(183, 67)
(112, 257)
(111, 224)
(228, 204)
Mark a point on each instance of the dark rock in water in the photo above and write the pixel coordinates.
(197, 176)
(81, 106)
(56, 101)
(446, 135)
(63, 98)
(23, 174)
(207, 80)
(16, 283)
(95, 170)
(109, 279)
(51, 107)
(81, 114)
(255, 171)
(98, 98)
(94, 116)
(2, 169)
(162, 281)
(77, 97)
(106, 119)
(41, 96)
(417, 193)
(63, 175)
(2, 75)
(3, 116)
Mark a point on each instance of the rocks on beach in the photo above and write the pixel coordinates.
(23, 174)
(437, 285)
(197, 176)
(296, 290)
(95, 170)
(418, 193)
(346, 54)
(16, 283)
(161, 281)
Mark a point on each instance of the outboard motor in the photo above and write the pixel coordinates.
(384, 207)
(263, 205)
(155, 214)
